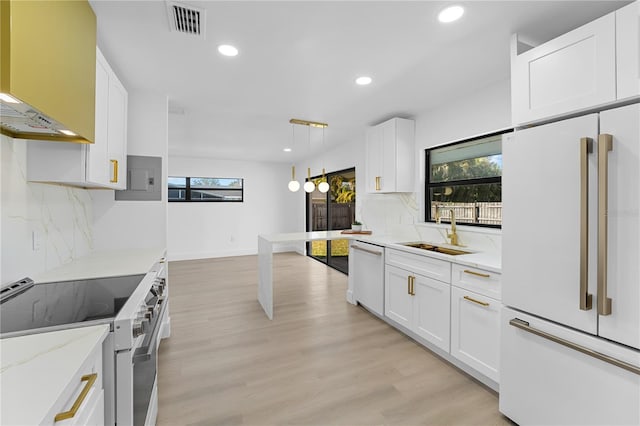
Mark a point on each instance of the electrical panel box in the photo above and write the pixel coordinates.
(144, 179)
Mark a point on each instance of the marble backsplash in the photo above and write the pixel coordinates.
(58, 218)
(398, 215)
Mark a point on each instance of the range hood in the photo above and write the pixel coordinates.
(47, 70)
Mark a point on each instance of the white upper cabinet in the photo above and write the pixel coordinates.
(99, 165)
(117, 133)
(593, 65)
(628, 51)
(572, 72)
(390, 156)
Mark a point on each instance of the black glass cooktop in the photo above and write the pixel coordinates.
(66, 302)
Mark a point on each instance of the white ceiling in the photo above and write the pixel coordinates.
(299, 59)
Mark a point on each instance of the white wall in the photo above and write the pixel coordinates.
(60, 216)
(202, 230)
(227, 229)
(485, 111)
(137, 224)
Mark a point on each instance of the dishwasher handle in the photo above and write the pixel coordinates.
(377, 253)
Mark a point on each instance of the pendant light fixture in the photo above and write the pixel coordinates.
(323, 186)
(309, 186)
(294, 185)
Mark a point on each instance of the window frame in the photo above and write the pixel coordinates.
(428, 185)
(188, 190)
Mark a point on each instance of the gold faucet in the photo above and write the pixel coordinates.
(453, 235)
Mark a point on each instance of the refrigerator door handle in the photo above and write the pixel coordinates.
(523, 325)
(605, 144)
(586, 299)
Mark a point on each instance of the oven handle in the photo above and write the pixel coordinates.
(144, 353)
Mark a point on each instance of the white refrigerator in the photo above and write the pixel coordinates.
(570, 342)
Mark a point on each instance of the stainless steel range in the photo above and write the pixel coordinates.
(134, 306)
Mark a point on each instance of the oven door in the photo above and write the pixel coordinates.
(136, 382)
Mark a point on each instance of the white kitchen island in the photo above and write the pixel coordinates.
(265, 259)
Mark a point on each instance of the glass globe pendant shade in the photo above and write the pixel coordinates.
(309, 186)
(323, 186)
(294, 185)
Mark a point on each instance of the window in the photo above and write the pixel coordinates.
(205, 189)
(465, 177)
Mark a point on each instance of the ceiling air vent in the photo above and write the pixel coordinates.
(186, 19)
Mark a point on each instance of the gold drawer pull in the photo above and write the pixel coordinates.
(377, 183)
(90, 379)
(114, 163)
(470, 299)
(466, 271)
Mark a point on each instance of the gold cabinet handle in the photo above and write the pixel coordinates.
(471, 299)
(605, 144)
(409, 284)
(478, 274)
(413, 285)
(523, 325)
(114, 163)
(377, 183)
(586, 299)
(90, 379)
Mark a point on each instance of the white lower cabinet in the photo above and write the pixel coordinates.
(454, 307)
(418, 303)
(398, 303)
(82, 401)
(475, 331)
(431, 310)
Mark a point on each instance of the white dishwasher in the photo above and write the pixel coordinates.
(367, 273)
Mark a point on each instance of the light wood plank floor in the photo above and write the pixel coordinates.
(321, 361)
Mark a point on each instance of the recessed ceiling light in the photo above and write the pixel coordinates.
(67, 132)
(227, 50)
(8, 98)
(450, 14)
(363, 81)
(287, 150)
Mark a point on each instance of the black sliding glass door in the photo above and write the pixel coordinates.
(333, 210)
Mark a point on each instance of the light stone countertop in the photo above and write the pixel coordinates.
(490, 261)
(35, 369)
(100, 264)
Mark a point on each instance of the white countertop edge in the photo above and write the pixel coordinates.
(482, 260)
(35, 370)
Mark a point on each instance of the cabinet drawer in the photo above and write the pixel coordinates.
(92, 365)
(475, 331)
(423, 265)
(477, 280)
